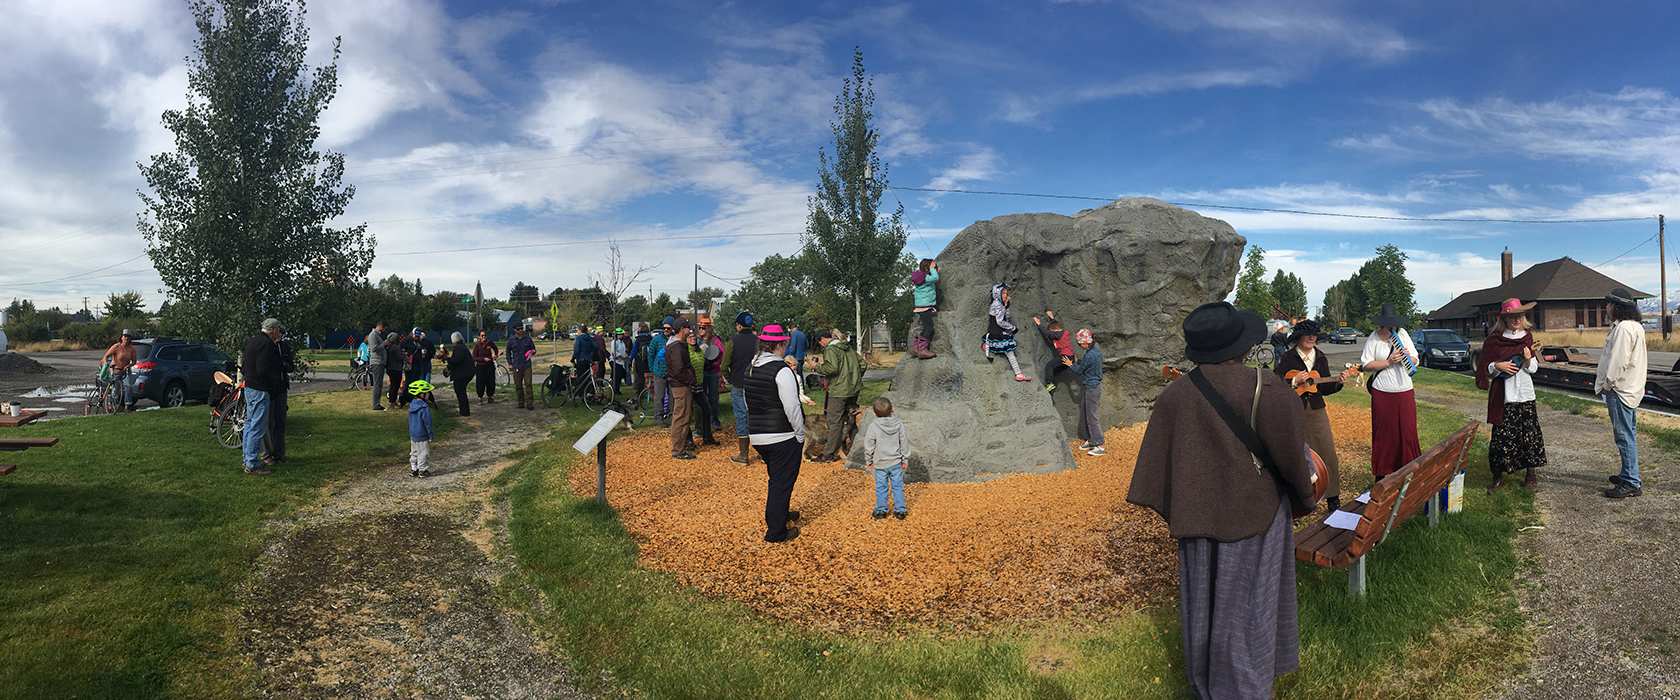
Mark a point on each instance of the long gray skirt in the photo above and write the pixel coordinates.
(1236, 606)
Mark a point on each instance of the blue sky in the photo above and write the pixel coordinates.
(500, 124)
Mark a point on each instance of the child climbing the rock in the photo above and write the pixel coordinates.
(886, 449)
(925, 280)
(420, 429)
(1000, 331)
(1058, 341)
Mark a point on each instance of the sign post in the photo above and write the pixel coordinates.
(596, 437)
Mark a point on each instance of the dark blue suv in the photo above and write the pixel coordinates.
(173, 372)
(1441, 349)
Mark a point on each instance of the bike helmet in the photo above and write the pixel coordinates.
(618, 331)
(745, 319)
(419, 386)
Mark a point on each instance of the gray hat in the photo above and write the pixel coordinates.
(391, 336)
(127, 333)
(272, 324)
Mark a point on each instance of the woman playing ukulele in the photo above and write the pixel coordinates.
(1308, 372)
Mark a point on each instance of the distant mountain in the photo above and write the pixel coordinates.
(1649, 306)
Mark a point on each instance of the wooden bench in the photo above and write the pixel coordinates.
(1394, 500)
(15, 444)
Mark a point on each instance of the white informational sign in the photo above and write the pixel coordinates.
(1343, 520)
(597, 432)
(1364, 497)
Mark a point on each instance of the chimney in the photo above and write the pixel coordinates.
(1505, 267)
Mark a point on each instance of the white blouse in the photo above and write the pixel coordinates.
(1395, 379)
(1518, 388)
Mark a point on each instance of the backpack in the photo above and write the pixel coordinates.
(656, 355)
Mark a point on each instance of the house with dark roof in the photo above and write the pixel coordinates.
(1566, 294)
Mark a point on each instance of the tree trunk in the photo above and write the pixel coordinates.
(857, 306)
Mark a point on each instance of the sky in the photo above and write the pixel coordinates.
(689, 132)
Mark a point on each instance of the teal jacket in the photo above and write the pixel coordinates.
(926, 293)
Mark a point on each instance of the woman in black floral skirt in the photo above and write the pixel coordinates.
(1505, 369)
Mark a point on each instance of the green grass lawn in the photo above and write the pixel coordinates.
(126, 545)
(1441, 619)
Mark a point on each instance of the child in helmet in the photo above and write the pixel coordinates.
(420, 428)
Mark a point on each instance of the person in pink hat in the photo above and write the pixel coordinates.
(1504, 369)
(776, 429)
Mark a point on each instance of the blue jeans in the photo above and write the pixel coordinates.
(256, 426)
(1622, 420)
(738, 406)
(895, 476)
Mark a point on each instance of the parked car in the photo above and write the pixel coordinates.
(1345, 335)
(173, 372)
(1441, 349)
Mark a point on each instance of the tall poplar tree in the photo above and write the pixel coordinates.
(854, 251)
(236, 218)
(1253, 293)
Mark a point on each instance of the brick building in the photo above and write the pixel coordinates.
(1566, 295)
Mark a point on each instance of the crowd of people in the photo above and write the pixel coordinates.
(1227, 496)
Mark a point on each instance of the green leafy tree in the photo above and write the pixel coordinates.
(855, 250)
(125, 305)
(1290, 293)
(1333, 312)
(663, 305)
(1383, 280)
(1253, 293)
(702, 299)
(525, 297)
(236, 218)
(780, 289)
(631, 309)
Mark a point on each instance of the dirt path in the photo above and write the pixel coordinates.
(387, 587)
(1603, 600)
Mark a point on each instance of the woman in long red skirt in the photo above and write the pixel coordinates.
(1391, 357)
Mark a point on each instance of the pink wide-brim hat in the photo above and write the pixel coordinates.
(773, 333)
(1514, 306)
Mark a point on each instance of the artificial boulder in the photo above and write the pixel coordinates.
(1130, 271)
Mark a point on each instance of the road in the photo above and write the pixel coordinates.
(63, 392)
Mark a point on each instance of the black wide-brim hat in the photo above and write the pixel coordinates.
(1218, 332)
(1304, 328)
(1388, 319)
(1621, 297)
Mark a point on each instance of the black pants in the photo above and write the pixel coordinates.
(705, 412)
(781, 464)
(1052, 369)
(274, 442)
(461, 393)
(926, 318)
(395, 378)
(486, 375)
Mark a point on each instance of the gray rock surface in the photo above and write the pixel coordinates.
(1130, 271)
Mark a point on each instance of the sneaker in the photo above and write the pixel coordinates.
(1050, 388)
(1623, 491)
(423, 474)
(879, 515)
(1616, 479)
(257, 471)
(1022, 378)
(792, 534)
(378, 408)
(1085, 445)
(1096, 451)
(683, 455)
(414, 472)
(901, 515)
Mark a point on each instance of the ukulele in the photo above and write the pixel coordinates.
(1313, 379)
(1320, 472)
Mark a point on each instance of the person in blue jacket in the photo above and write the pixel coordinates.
(1089, 371)
(420, 428)
(584, 352)
(798, 345)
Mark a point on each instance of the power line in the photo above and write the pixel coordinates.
(1625, 252)
(1304, 212)
(81, 274)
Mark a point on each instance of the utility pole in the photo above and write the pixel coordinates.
(694, 301)
(1662, 276)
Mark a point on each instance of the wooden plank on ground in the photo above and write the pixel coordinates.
(15, 421)
(7, 469)
(26, 443)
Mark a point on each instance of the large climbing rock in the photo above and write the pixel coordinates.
(1130, 271)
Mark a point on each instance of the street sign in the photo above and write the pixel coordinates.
(466, 298)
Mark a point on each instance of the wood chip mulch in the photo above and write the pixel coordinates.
(1060, 546)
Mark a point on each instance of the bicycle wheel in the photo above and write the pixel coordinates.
(643, 411)
(230, 432)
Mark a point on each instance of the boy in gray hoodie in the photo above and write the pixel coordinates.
(886, 448)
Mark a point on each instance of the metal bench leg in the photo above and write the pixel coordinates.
(1433, 508)
(1356, 578)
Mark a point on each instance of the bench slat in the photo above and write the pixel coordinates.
(7, 469)
(26, 443)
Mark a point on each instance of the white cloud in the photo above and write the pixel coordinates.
(979, 164)
(1304, 30)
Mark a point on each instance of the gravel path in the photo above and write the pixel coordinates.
(387, 587)
(1603, 600)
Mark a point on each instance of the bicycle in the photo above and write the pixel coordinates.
(360, 374)
(1260, 356)
(227, 412)
(103, 398)
(560, 388)
(644, 409)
